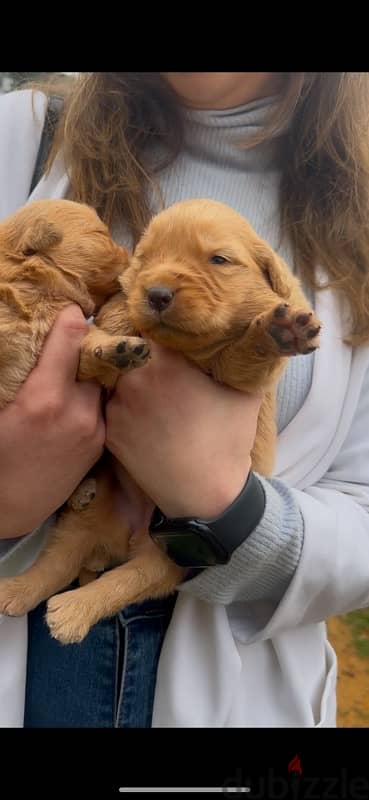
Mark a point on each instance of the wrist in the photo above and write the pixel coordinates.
(216, 496)
(196, 543)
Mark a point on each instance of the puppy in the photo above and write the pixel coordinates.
(52, 253)
(202, 282)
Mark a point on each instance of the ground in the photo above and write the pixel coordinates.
(349, 636)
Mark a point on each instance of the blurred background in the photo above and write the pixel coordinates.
(13, 80)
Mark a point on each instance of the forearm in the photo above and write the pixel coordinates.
(302, 565)
(262, 567)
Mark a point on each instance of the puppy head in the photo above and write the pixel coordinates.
(68, 237)
(199, 275)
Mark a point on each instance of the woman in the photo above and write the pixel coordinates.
(245, 643)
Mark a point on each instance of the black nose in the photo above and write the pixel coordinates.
(159, 297)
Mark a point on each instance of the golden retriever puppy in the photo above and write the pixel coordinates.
(52, 253)
(202, 282)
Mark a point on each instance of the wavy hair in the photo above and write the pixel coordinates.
(112, 120)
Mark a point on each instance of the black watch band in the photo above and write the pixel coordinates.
(199, 543)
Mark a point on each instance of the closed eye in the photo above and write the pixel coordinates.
(217, 259)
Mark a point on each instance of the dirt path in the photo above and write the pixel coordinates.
(349, 636)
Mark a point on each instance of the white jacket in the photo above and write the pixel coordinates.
(228, 666)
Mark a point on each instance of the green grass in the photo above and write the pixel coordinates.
(359, 624)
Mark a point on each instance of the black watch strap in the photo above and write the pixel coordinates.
(223, 534)
(242, 516)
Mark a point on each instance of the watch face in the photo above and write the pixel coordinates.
(189, 549)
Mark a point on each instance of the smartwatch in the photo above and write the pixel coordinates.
(200, 543)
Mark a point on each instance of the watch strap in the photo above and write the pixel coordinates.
(231, 528)
(241, 518)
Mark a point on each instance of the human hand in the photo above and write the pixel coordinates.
(51, 434)
(185, 439)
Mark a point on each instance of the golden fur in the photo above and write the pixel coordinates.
(232, 307)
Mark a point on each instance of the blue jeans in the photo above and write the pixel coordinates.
(106, 681)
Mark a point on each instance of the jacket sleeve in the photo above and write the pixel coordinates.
(309, 557)
(22, 115)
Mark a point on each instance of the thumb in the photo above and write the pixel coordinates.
(60, 354)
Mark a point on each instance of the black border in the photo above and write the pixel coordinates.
(98, 762)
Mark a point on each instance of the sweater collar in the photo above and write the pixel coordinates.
(215, 136)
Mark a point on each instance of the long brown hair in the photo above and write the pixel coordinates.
(111, 120)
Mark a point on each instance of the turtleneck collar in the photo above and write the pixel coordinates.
(252, 114)
(215, 135)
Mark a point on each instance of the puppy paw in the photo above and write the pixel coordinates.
(67, 618)
(16, 598)
(295, 331)
(83, 495)
(124, 352)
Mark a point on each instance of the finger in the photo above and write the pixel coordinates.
(165, 355)
(164, 365)
(91, 395)
(59, 358)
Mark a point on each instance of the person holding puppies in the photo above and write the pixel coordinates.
(242, 642)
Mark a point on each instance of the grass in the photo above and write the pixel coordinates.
(359, 624)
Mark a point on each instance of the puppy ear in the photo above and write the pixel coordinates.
(274, 269)
(39, 238)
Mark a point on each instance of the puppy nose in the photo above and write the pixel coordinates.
(159, 297)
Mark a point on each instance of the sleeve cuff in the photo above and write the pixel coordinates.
(262, 567)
